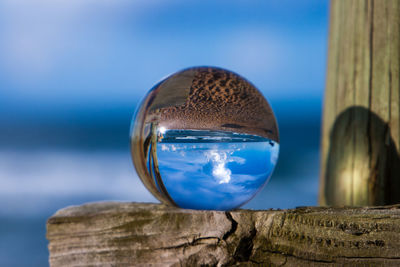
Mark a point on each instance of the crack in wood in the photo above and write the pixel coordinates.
(233, 228)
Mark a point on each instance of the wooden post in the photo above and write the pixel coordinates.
(361, 129)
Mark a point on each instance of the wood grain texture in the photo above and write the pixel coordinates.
(132, 234)
(360, 135)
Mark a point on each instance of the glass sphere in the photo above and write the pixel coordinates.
(204, 138)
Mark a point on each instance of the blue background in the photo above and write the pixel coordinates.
(72, 73)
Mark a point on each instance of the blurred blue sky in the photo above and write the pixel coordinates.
(73, 71)
(57, 57)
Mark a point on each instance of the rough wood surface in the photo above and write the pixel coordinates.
(361, 124)
(126, 234)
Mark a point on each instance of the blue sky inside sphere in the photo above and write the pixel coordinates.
(215, 175)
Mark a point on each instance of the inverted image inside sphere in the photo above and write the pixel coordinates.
(204, 138)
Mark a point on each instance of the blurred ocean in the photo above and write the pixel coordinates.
(72, 73)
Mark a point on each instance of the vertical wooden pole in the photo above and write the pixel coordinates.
(361, 129)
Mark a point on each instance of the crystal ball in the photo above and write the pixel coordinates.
(204, 138)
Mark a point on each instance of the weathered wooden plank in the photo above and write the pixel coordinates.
(126, 234)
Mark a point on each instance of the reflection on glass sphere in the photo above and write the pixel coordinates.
(204, 138)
